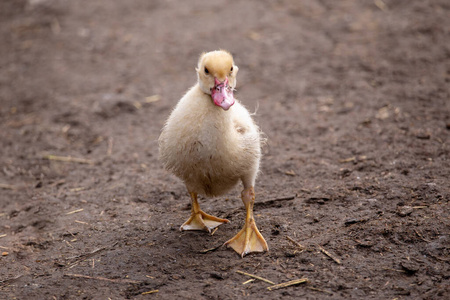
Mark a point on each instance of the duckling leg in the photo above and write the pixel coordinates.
(249, 239)
(200, 220)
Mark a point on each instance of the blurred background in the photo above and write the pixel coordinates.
(353, 97)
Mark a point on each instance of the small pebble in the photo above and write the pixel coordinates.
(4, 253)
(409, 266)
(423, 136)
(216, 275)
(404, 211)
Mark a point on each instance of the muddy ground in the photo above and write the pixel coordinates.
(353, 97)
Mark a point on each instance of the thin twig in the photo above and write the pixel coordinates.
(248, 281)
(102, 278)
(77, 259)
(320, 290)
(78, 189)
(421, 236)
(336, 260)
(210, 249)
(81, 222)
(345, 160)
(286, 284)
(69, 159)
(150, 292)
(6, 186)
(110, 146)
(74, 211)
(381, 5)
(353, 158)
(295, 243)
(256, 277)
(151, 99)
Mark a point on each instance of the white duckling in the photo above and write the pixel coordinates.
(211, 142)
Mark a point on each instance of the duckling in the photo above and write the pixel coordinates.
(211, 142)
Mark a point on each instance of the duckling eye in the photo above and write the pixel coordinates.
(231, 70)
(206, 70)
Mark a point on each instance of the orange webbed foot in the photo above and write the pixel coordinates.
(249, 239)
(202, 221)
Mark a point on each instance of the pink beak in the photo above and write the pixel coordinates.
(222, 94)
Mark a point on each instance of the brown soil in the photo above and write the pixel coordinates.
(352, 95)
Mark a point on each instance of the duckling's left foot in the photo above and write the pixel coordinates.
(249, 239)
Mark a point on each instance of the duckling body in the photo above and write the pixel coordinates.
(210, 149)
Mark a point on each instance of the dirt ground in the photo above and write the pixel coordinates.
(353, 195)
